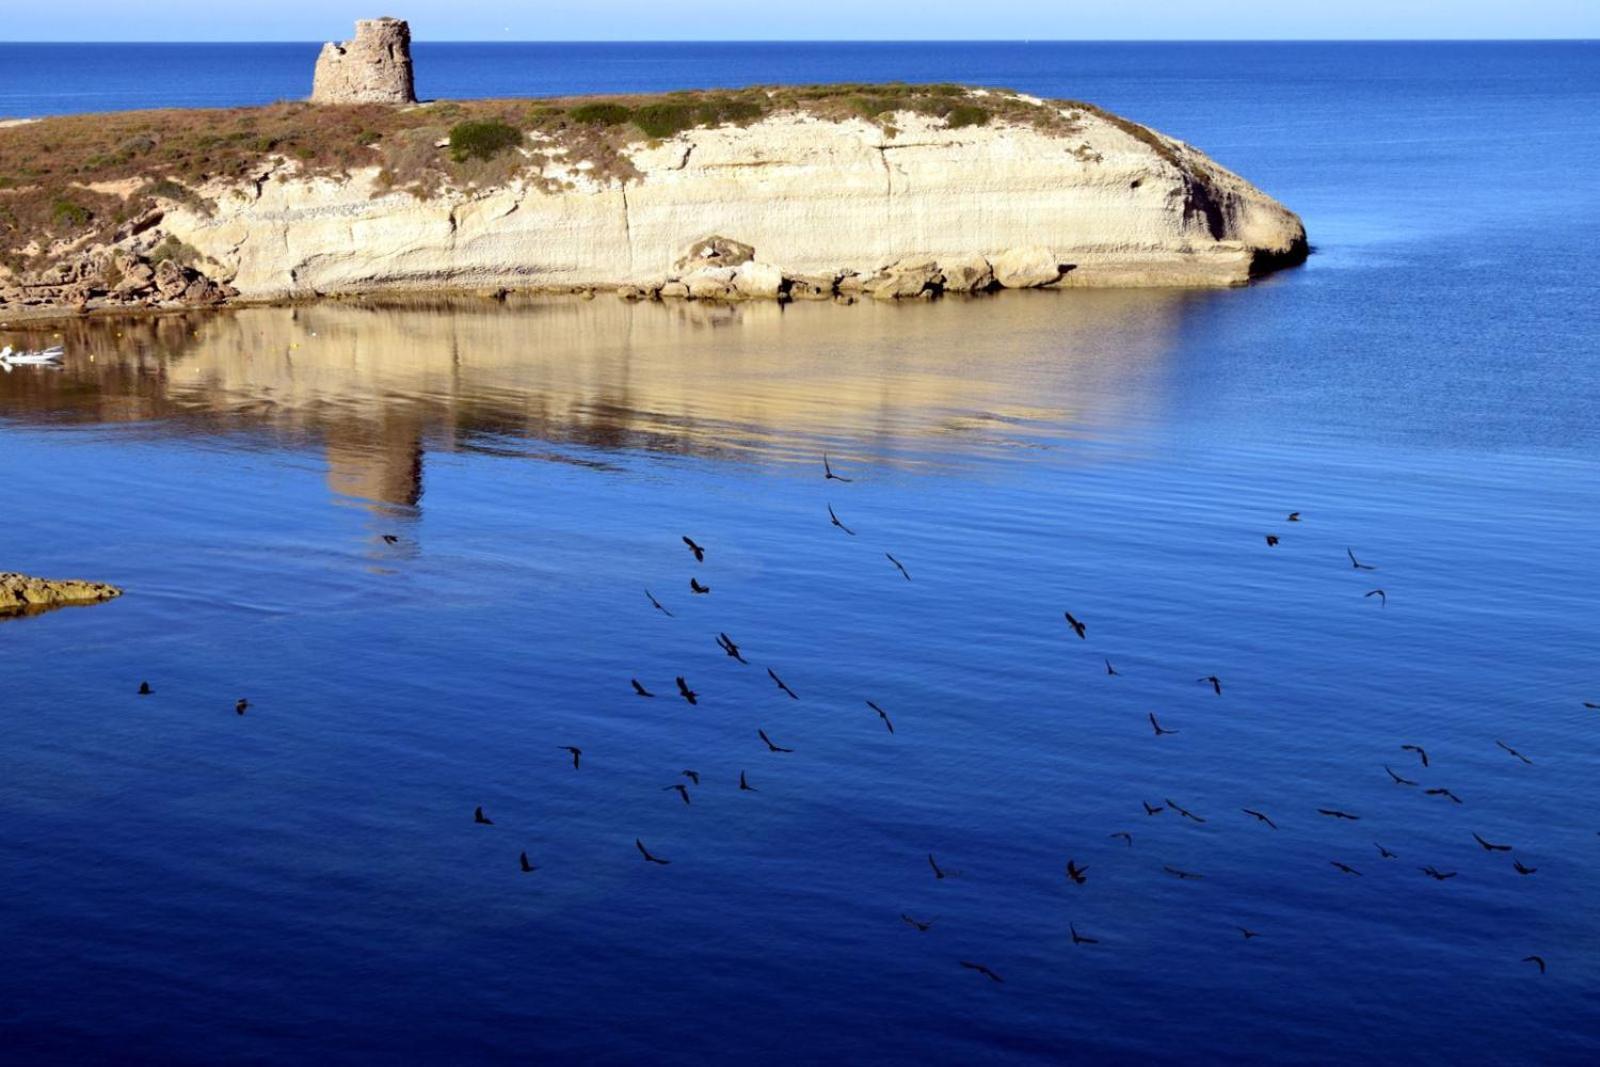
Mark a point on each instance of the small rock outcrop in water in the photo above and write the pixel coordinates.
(20, 594)
(372, 68)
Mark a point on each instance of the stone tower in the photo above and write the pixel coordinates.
(373, 68)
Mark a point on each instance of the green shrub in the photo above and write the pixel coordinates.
(966, 115)
(175, 250)
(601, 114)
(664, 120)
(482, 140)
(64, 212)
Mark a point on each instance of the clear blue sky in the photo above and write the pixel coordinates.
(591, 20)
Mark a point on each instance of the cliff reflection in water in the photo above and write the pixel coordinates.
(376, 387)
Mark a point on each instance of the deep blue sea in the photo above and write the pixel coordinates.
(306, 883)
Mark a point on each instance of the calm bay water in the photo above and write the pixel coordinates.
(183, 884)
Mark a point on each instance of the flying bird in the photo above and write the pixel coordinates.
(641, 690)
(771, 674)
(1436, 874)
(1535, 959)
(693, 776)
(527, 868)
(835, 519)
(683, 791)
(827, 472)
(1356, 563)
(746, 787)
(1248, 934)
(1523, 870)
(1346, 868)
(1076, 873)
(1148, 810)
(1397, 779)
(688, 694)
(1079, 939)
(144, 689)
(1272, 540)
(1385, 853)
(770, 746)
(699, 553)
(1216, 683)
(922, 927)
(1514, 752)
(1383, 598)
(1418, 750)
(657, 604)
(577, 754)
(1294, 516)
(241, 706)
(882, 715)
(726, 644)
(1182, 876)
(981, 969)
(1077, 627)
(1184, 812)
(1124, 835)
(697, 588)
(937, 872)
(1110, 669)
(900, 566)
(391, 539)
(638, 844)
(1159, 729)
(1259, 817)
(1333, 813)
(1488, 847)
(480, 818)
(1441, 792)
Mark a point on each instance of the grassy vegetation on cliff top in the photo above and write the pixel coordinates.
(83, 177)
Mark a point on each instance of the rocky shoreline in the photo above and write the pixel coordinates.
(21, 594)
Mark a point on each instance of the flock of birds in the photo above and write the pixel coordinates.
(1076, 874)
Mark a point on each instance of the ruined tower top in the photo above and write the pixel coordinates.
(372, 68)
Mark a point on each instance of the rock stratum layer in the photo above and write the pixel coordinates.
(791, 206)
(21, 594)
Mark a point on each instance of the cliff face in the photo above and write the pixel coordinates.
(816, 200)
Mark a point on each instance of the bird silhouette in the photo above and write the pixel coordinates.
(1535, 959)
(688, 694)
(1248, 934)
(770, 746)
(577, 754)
(938, 872)
(1436, 874)
(1110, 669)
(391, 539)
(1079, 939)
(641, 690)
(1333, 813)
(1397, 779)
(1385, 853)
(480, 818)
(1346, 868)
(699, 553)
(1383, 598)
(693, 776)
(682, 790)
(1077, 627)
(1356, 563)
(1523, 870)
(1272, 541)
(1489, 847)
(638, 844)
(1148, 810)
(1191, 816)
(745, 786)
(1418, 750)
(899, 566)
(1159, 729)
(698, 589)
(1259, 817)
(241, 706)
(144, 689)
(1124, 835)
(1294, 516)
(773, 675)
(827, 472)
(726, 644)
(981, 969)
(1216, 683)
(882, 715)
(527, 868)
(921, 927)
(1591, 705)
(835, 520)
(1441, 792)
(1182, 876)
(658, 606)
(1076, 873)
(1514, 752)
